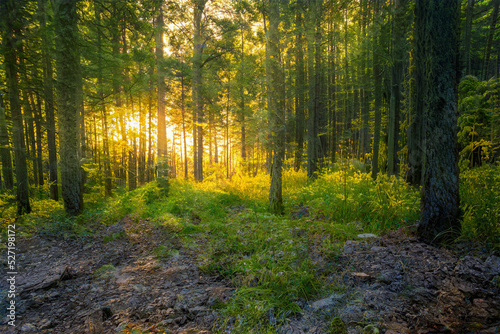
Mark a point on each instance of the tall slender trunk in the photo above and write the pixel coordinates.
(48, 96)
(275, 88)
(184, 128)
(100, 88)
(160, 75)
(491, 33)
(199, 6)
(5, 149)
(467, 36)
(11, 46)
(377, 76)
(396, 78)
(39, 148)
(299, 90)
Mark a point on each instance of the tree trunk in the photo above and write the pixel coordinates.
(467, 36)
(313, 65)
(377, 81)
(416, 126)
(199, 7)
(11, 39)
(184, 129)
(67, 69)
(48, 95)
(299, 90)
(487, 52)
(440, 202)
(396, 78)
(100, 92)
(39, 149)
(160, 75)
(275, 88)
(8, 178)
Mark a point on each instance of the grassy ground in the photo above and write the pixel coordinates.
(271, 260)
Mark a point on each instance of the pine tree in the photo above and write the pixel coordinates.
(67, 59)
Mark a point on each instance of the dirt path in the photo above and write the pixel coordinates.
(90, 285)
(393, 283)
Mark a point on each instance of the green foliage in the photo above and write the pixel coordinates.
(480, 195)
(479, 120)
(348, 196)
(337, 326)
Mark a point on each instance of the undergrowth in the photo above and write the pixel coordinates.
(276, 263)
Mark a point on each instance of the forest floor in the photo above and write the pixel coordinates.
(117, 281)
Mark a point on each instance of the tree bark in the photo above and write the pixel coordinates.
(5, 149)
(440, 202)
(67, 69)
(299, 90)
(160, 75)
(491, 33)
(275, 87)
(199, 7)
(48, 96)
(467, 36)
(377, 82)
(11, 39)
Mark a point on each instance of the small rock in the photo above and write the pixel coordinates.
(377, 249)
(28, 328)
(366, 236)
(492, 264)
(350, 246)
(327, 302)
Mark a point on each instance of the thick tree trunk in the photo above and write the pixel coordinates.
(440, 210)
(275, 88)
(67, 70)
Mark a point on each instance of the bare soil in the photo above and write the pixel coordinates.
(113, 281)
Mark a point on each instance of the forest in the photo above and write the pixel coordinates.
(250, 166)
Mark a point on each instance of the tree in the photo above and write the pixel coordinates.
(67, 59)
(275, 90)
(12, 19)
(5, 149)
(440, 211)
(161, 91)
(48, 96)
(199, 6)
(313, 35)
(377, 82)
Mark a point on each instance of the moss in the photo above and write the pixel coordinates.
(337, 326)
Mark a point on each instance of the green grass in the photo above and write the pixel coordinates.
(276, 263)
